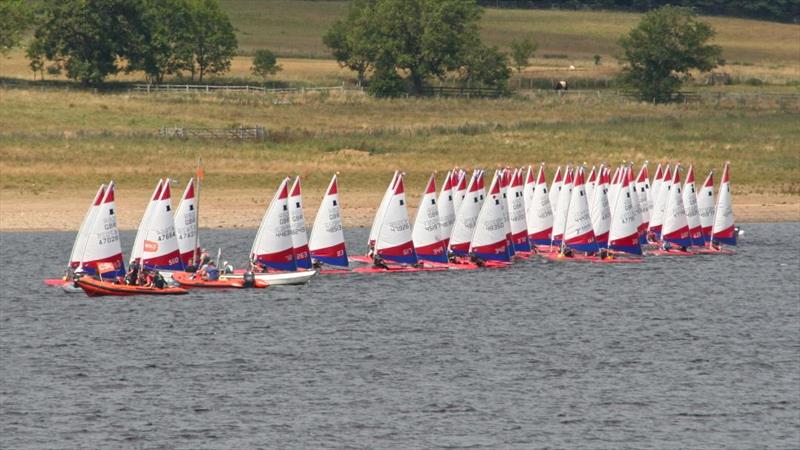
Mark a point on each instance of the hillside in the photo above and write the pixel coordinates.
(295, 27)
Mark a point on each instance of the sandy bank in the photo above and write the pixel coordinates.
(244, 209)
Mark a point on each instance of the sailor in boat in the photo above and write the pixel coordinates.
(477, 260)
(604, 254)
(133, 273)
(378, 263)
(158, 280)
(227, 268)
(257, 267)
(567, 253)
(209, 272)
(191, 267)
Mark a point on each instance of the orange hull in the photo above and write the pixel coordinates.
(96, 288)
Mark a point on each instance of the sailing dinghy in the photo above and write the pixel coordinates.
(429, 242)
(446, 206)
(489, 243)
(675, 228)
(539, 216)
(80, 240)
(516, 215)
(298, 227)
(692, 211)
(186, 225)
(393, 238)
(705, 207)
(724, 230)
(273, 248)
(465, 217)
(624, 234)
(326, 244)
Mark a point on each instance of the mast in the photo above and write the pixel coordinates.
(198, 176)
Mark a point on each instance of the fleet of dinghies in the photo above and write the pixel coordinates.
(599, 216)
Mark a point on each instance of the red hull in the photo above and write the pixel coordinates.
(593, 259)
(660, 252)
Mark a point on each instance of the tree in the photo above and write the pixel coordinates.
(662, 50)
(15, 19)
(521, 51)
(212, 39)
(88, 38)
(166, 48)
(349, 40)
(487, 66)
(265, 63)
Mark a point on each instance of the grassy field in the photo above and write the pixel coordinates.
(57, 141)
(294, 28)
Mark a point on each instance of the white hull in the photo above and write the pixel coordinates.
(281, 278)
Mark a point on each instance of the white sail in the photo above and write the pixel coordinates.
(724, 229)
(326, 243)
(393, 241)
(186, 224)
(464, 225)
(675, 228)
(160, 245)
(539, 216)
(692, 212)
(136, 251)
(706, 205)
(297, 220)
(490, 241)
(83, 231)
(446, 206)
(562, 208)
(555, 188)
(273, 246)
(578, 232)
(623, 235)
(376, 224)
(101, 252)
(429, 241)
(600, 210)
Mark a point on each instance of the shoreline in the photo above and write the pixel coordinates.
(231, 209)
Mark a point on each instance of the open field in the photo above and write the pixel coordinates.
(294, 28)
(54, 142)
(57, 145)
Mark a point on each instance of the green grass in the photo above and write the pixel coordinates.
(82, 138)
(295, 28)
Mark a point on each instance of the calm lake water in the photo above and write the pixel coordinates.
(699, 352)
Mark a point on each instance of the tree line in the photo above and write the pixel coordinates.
(89, 40)
(776, 10)
(393, 46)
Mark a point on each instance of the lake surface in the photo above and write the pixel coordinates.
(697, 352)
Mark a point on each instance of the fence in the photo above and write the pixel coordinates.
(242, 133)
(209, 88)
(457, 91)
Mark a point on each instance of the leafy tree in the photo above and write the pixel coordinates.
(88, 38)
(349, 39)
(661, 51)
(417, 38)
(521, 51)
(265, 63)
(166, 48)
(15, 19)
(212, 39)
(35, 53)
(487, 66)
